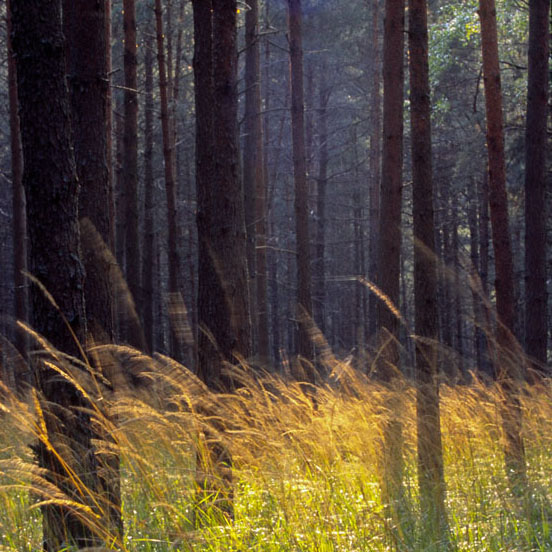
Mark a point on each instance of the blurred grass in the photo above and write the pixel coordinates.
(305, 478)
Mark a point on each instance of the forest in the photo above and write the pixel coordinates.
(276, 275)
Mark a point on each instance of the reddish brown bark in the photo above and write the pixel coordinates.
(170, 189)
(304, 300)
(508, 369)
(430, 452)
(536, 321)
(134, 333)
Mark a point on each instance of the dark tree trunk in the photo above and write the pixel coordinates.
(430, 452)
(390, 238)
(149, 212)
(134, 334)
(304, 300)
(51, 186)
(508, 369)
(84, 26)
(223, 302)
(175, 299)
(19, 221)
(536, 322)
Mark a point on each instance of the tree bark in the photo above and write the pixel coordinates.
(254, 180)
(375, 164)
(430, 452)
(134, 334)
(508, 369)
(175, 299)
(304, 300)
(390, 241)
(149, 212)
(51, 186)
(536, 321)
(19, 216)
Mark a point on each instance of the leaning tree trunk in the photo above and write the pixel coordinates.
(304, 300)
(536, 321)
(508, 370)
(51, 186)
(431, 479)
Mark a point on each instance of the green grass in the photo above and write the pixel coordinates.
(304, 478)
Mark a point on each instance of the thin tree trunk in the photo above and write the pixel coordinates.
(19, 221)
(430, 452)
(536, 321)
(149, 211)
(130, 176)
(304, 301)
(320, 265)
(508, 369)
(175, 299)
(375, 163)
(390, 240)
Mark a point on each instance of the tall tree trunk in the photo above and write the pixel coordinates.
(19, 221)
(175, 299)
(223, 302)
(134, 334)
(430, 452)
(254, 180)
(320, 265)
(149, 212)
(508, 369)
(390, 237)
(304, 301)
(536, 321)
(51, 186)
(84, 27)
(375, 163)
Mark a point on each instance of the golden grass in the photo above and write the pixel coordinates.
(305, 477)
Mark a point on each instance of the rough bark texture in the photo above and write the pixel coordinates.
(390, 242)
(134, 334)
(391, 181)
(18, 204)
(51, 186)
(508, 369)
(84, 27)
(223, 301)
(304, 300)
(175, 300)
(254, 180)
(536, 326)
(430, 452)
(86, 64)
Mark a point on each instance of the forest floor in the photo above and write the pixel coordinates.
(307, 475)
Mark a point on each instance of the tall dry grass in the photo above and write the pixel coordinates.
(306, 474)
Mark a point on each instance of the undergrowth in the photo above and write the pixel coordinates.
(306, 474)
